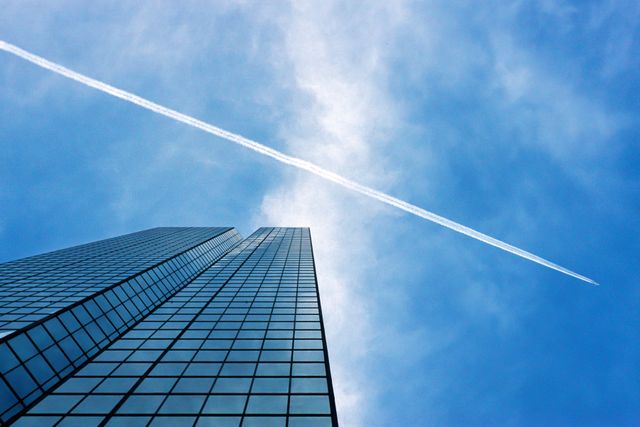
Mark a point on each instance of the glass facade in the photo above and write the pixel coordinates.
(238, 342)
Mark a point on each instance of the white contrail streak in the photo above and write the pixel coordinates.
(284, 158)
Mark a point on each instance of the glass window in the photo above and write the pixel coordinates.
(95, 332)
(168, 369)
(280, 334)
(193, 385)
(308, 369)
(308, 344)
(251, 334)
(56, 329)
(280, 325)
(113, 356)
(277, 344)
(264, 422)
(35, 421)
(23, 347)
(39, 369)
(40, 337)
(301, 404)
(217, 344)
(270, 385)
(56, 404)
(237, 369)
(70, 348)
(7, 359)
(98, 369)
(156, 385)
(310, 422)
(232, 385)
(308, 356)
(247, 344)
(225, 334)
(78, 385)
(156, 344)
(275, 356)
(144, 356)
(81, 314)
(83, 339)
(7, 398)
(121, 421)
(160, 421)
(224, 404)
(265, 404)
(116, 385)
(131, 369)
(273, 369)
(213, 421)
(141, 404)
(210, 356)
(21, 381)
(97, 404)
(187, 344)
(202, 369)
(182, 404)
(69, 321)
(308, 385)
(80, 421)
(243, 356)
(56, 358)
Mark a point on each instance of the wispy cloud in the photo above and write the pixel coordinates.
(346, 106)
(342, 110)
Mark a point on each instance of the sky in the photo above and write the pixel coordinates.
(516, 118)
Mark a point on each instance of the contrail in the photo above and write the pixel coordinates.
(284, 158)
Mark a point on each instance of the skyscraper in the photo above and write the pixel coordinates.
(168, 326)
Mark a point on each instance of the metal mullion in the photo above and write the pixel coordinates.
(293, 339)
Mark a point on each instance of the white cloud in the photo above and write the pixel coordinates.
(342, 111)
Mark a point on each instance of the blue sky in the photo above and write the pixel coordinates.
(517, 118)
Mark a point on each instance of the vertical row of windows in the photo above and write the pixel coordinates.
(36, 359)
(241, 344)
